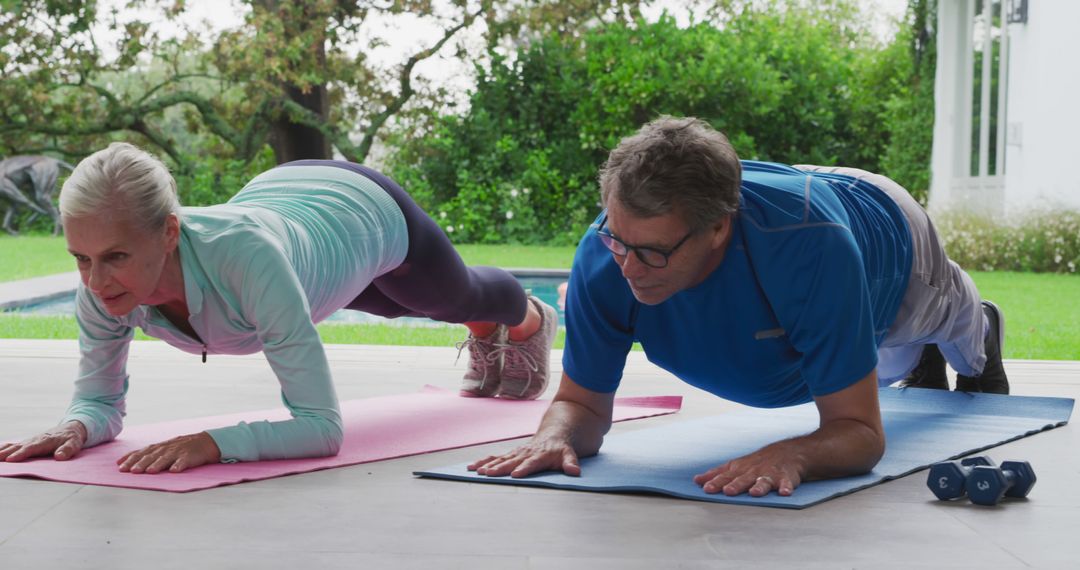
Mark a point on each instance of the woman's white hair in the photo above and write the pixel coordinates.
(121, 179)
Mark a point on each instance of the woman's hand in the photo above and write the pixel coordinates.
(174, 455)
(63, 442)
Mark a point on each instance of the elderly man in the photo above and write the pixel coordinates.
(765, 284)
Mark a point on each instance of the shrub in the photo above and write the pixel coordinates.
(215, 180)
(520, 165)
(1039, 240)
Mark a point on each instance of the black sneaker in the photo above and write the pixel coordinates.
(993, 379)
(930, 372)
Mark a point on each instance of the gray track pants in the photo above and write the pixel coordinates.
(941, 305)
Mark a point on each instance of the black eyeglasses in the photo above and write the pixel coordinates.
(650, 256)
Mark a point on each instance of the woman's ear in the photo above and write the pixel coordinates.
(172, 231)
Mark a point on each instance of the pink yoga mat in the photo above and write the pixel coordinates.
(375, 429)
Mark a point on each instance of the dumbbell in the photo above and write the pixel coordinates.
(987, 485)
(948, 479)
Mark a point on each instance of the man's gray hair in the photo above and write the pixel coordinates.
(674, 164)
(123, 180)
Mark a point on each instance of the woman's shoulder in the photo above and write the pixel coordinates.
(223, 245)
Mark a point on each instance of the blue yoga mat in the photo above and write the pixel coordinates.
(922, 427)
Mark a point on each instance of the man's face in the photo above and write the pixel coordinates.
(687, 266)
(119, 262)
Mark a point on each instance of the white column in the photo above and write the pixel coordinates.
(1003, 92)
(951, 155)
(966, 28)
(984, 95)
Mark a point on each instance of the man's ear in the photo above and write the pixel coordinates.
(721, 231)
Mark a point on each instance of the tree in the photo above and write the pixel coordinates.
(910, 115)
(785, 82)
(295, 76)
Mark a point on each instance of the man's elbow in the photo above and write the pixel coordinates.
(874, 446)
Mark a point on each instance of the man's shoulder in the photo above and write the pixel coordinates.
(776, 198)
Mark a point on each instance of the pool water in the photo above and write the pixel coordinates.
(544, 287)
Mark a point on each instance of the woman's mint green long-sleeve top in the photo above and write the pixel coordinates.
(295, 245)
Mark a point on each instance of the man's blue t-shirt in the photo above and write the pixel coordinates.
(812, 279)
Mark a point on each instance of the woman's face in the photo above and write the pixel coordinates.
(120, 262)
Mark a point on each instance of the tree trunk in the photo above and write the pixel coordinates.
(289, 140)
(292, 141)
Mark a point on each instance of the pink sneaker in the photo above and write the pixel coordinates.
(485, 361)
(526, 363)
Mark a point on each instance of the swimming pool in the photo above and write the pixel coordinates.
(542, 283)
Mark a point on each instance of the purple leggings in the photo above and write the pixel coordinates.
(433, 281)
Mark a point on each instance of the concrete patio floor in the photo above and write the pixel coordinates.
(378, 515)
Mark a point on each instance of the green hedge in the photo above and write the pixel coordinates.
(792, 84)
(1040, 241)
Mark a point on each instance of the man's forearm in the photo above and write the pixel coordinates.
(837, 449)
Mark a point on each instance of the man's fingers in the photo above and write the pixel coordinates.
(533, 464)
(787, 486)
(570, 464)
(489, 464)
(527, 460)
(714, 480)
(703, 478)
(501, 466)
(755, 485)
(551, 460)
(475, 465)
(736, 487)
(762, 486)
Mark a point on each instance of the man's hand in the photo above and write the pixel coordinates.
(573, 426)
(538, 455)
(62, 442)
(849, 441)
(777, 467)
(174, 456)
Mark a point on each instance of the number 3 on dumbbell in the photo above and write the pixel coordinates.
(986, 485)
(948, 479)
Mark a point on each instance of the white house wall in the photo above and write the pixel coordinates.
(1042, 112)
(1042, 153)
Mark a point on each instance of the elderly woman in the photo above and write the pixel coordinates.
(297, 243)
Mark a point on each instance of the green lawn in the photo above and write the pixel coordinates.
(1042, 313)
(1041, 310)
(33, 256)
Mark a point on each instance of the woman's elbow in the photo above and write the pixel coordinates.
(333, 438)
